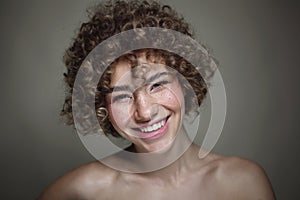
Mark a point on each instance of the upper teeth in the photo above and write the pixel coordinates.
(154, 127)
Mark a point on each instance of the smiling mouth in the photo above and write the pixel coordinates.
(153, 127)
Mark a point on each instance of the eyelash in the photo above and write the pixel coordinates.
(158, 84)
(121, 97)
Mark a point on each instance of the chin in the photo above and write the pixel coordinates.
(159, 146)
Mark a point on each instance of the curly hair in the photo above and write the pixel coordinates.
(113, 17)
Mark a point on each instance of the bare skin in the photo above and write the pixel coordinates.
(213, 177)
(188, 177)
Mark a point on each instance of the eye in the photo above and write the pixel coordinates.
(122, 98)
(158, 85)
(155, 85)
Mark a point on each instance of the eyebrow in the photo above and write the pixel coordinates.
(157, 76)
(119, 88)
(127, 87)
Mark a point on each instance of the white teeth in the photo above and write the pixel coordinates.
(154, 127)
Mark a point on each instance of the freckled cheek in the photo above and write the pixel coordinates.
(171, 98)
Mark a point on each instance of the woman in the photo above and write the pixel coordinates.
(143, 96)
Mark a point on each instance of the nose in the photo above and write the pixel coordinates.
(145, 109)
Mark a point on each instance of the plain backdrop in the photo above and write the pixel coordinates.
(257, 43)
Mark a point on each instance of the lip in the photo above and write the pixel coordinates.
(154, 134)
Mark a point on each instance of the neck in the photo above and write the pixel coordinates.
(178, 158)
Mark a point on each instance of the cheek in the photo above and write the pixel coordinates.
(120, 121)
(118, 117)
(173, 98)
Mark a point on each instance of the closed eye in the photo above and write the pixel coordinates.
(121, 98)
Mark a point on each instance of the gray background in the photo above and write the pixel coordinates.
(256, 42)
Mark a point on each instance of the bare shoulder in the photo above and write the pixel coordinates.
(239, 178)
(84, 182)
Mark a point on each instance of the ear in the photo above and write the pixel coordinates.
(102, 113)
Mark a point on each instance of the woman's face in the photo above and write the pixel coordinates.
(146, 104)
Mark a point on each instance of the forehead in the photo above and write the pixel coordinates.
(124, 73)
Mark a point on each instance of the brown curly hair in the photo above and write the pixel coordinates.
(113, 17)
